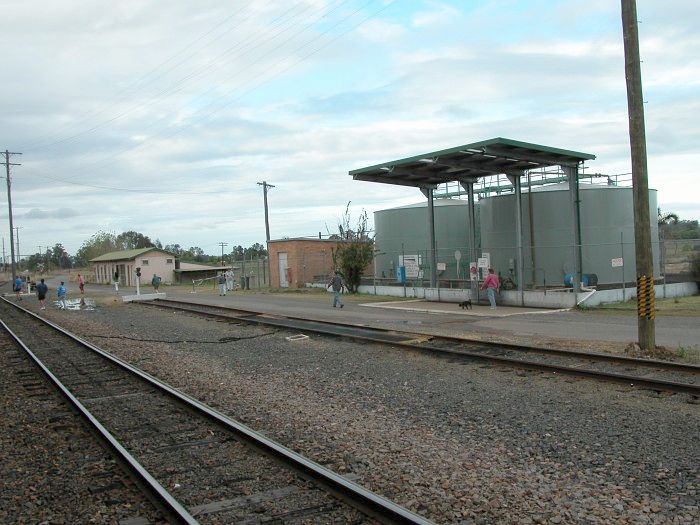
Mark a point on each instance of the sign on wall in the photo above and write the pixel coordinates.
(412, 265)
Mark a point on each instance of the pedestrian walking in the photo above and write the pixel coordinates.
(229, 279)
(17, 287)
(61, 294)
(41, 291)
(116, 281)
(155, 282)
(221, 280)
(337, 285)
(81, 284)
(492, 286)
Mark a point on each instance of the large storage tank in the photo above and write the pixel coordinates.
(404, 231)
(607, 233)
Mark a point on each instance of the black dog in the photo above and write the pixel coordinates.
(466, 304)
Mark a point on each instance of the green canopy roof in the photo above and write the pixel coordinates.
(126, 255)
(469, 162)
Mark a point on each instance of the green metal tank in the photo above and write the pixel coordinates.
(607, 234)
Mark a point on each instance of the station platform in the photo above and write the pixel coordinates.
(477, 310)
(599, 331)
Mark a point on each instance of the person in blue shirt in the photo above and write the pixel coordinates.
(41, 291)
(61, 294)
(17, 286)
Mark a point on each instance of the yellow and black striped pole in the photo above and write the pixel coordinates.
(645, 297)
(640, 183)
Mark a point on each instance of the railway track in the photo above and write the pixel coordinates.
(642, 373)
(198, 465)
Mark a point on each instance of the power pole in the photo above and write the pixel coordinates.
(9, 208)
(222, 244)
(19, 254)
(640, 182)
(265, 186)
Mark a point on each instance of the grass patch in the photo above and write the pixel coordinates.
(677, 306)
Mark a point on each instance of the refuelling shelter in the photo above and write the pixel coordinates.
(465, 165)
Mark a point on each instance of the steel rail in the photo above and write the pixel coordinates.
(631, 380)
(173, 509)
(364, 500)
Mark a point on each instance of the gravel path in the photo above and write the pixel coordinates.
(457, 442)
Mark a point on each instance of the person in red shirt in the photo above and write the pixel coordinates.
(81, 283)
(492, 286)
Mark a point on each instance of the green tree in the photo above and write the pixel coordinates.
(672, 227)
(59, 257)
(98, 244)
(175, 249)
(132, 240)
(355, 249)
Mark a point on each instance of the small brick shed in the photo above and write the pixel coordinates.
(295, 262)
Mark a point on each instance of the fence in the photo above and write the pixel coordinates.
(545, 267)
(251, 274)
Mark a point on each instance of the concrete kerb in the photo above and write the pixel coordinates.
(556, 300)
(427, 309)
(143, 297)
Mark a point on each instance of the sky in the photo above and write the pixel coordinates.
(163, 117)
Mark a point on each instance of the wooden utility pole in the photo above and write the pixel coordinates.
(222, 244)
(265, 186)
(9, 208)
(640, 183)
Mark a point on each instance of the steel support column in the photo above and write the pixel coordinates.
(469, 186)
(428, 192)
(515, 181)
(572, 177)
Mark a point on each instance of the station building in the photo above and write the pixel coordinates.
(122, 264)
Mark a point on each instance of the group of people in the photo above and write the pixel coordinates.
(42, 289)
(226, 282)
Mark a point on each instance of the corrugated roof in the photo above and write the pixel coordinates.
(469, 162)
(127, 255)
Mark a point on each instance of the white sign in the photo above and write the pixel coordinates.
(616, 263)
(412, 265)
(473, 272)
(483, 262)
(458, 255)
(441, 267)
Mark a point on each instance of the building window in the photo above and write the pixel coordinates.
(168, 261)
(144, 262)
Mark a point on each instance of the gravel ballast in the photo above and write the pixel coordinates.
(457, 442)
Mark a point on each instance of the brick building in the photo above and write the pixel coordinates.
(296, 262)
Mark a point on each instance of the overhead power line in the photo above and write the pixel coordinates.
(211, 114)
(142, 79)
(174, 88)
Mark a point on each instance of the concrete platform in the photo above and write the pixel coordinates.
(477, 310)
(143, 297)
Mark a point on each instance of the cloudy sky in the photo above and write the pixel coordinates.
(161, 117)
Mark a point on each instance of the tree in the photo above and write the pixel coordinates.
(355, 249)
(671, 227)
(132, 240)
(59, 257)
(175, 249)
(98, 244)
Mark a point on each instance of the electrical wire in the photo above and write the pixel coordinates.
(172, 89)
(255, 86)
(37, 144)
